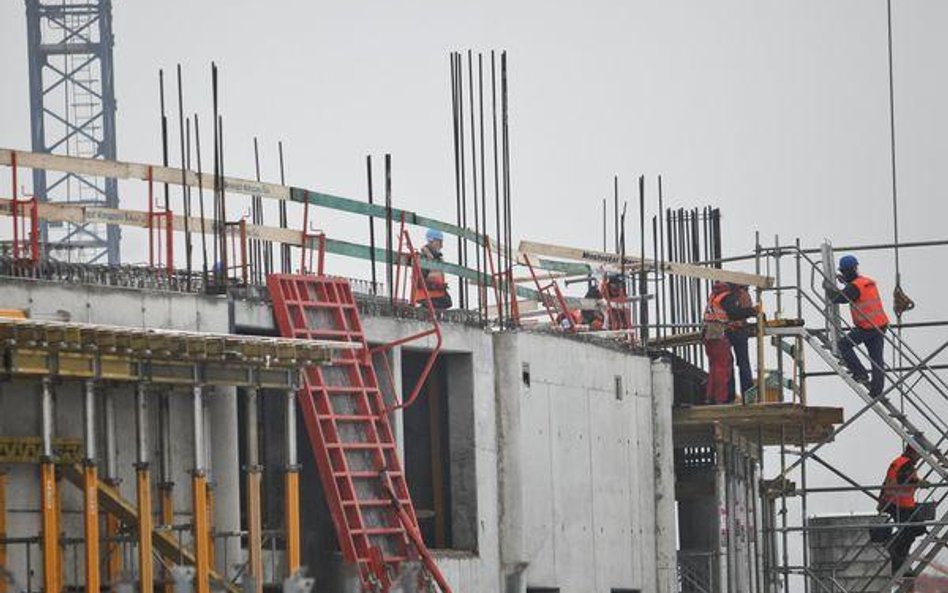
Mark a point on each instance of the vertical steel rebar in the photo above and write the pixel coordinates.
(185, 188)
(500, 245)
(284, 247)
(389, 260)
(368, 176)
(474, 185)
(200, 181)
(505, 111)
(482, 238)
(643, 273)
(458, 181)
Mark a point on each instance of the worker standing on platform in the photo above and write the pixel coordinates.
(898, 501)
(739, 307)
(717, 346)
(432, 279)
(869, 321)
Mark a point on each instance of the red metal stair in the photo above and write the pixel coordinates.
(349, 430)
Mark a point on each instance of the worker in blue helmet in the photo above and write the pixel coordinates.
(869, 323)
(433, 280)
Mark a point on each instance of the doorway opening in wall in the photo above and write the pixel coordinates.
(439, 449)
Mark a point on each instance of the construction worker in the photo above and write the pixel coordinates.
(716, 346)
(869, 321)
(614, 291)
(432, 279)
(898, 501)
(593, 318)
(739, 307)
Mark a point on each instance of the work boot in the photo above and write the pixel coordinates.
(863, 380)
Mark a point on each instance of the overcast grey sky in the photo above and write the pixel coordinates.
(775, 111)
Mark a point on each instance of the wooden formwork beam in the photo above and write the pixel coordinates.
(633, 263)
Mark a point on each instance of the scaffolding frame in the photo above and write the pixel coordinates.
(914, 420)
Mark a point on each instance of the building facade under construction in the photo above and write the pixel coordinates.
(244, 412)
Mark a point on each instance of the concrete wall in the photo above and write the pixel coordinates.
(559, 477)
(588, 471)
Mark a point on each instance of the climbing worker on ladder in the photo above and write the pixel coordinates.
(717, 346)
(433, 279)
(869, 321)
(739, 307)
(898, 501)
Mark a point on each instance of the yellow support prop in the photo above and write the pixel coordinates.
(167, 518)
(49, 499)
(143, 496)
(114, 549)
(211, 500)
(202, 583)
(90, 519)
(292, 512)
(254, 529)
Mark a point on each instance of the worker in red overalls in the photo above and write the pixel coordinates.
(898, 501)
(432, 279)
(716, 346)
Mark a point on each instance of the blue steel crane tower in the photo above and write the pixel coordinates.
(72, 112)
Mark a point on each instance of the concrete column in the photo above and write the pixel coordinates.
(507, 390)
(663, 455)
(225, 464)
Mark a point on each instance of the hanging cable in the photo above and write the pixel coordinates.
(895, 191)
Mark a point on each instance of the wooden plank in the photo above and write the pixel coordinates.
(634, 263)
(127, 170)
(757, 414)
(173, 176)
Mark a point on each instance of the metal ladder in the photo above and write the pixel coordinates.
(348, 426)
(907, 423)
(551, 298)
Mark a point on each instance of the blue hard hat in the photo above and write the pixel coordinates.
(848, 262)
(434, 235)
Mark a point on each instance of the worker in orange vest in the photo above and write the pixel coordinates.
(898, 501)
(869, 323)
(716, 346)
(432, 279)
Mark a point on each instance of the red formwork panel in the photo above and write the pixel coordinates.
(352, 440)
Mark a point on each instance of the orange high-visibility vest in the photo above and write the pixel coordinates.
(432, 279)
(901, 495)
(867, 311)
(715, 312)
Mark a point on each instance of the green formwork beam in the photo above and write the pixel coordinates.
(356, 250)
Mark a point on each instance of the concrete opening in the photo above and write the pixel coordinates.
(439, 449)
